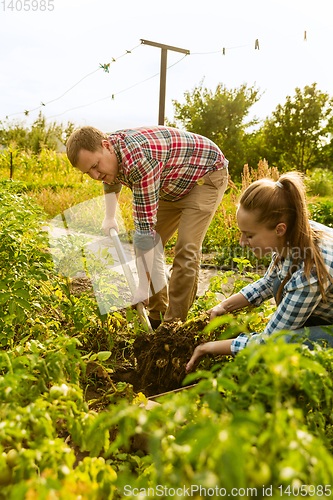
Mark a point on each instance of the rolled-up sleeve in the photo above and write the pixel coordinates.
(256, 293)
(112, 188)
(239, 343)
(298, 303)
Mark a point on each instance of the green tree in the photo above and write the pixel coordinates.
(254, 147)
(219, 116)
(40, 136)
(14, 132)
(296, 134)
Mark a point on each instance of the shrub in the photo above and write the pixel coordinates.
(320, 183)
(41, 134)
(322, 212)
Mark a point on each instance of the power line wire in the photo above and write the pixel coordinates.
(105, 67)
(116, 93)
(149, 78)
(219, 51)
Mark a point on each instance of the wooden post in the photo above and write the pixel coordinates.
(163, 72)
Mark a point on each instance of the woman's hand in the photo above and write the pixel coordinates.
(218, 310)
(198, 354)
(217, 347)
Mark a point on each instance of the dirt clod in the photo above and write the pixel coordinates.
(80, 285)
(162, 356)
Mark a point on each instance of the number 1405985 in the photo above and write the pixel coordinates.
(27, 5)
(306, 490)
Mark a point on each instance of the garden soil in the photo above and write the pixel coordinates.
(159, 360)
(161, 357)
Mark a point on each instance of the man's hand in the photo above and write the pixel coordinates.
(144, 264)
(218, 310)
(109, 223)
(141, 295)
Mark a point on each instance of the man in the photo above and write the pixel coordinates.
(178, 180)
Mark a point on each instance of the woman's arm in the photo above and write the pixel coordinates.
(212, 348)
(237, 301)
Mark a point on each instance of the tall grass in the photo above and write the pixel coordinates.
(54, 184)
(250, 175)
(48, 169)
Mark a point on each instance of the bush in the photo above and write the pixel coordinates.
(322, 212)
(41, 135)
(320, 183)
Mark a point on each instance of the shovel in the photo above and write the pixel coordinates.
(130, 279)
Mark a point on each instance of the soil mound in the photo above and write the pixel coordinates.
(162, 356)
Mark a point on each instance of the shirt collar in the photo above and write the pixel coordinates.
(113, 141)
(284, 266)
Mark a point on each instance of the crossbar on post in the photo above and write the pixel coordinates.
(163, 72)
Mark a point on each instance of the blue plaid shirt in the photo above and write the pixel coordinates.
(300, 298)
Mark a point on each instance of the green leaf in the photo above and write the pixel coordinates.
(4, 297)
(23, 303)
(103, 355)
(22, 293)
(226, 383)
(312, 366)
(203, 374)
(189, 378)
(226, 319)
(19, 284)
(12, 307)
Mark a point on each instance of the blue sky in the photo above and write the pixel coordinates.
(43, 54)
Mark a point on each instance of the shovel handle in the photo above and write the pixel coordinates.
(123, 261)
(130, 279)
(143, 316)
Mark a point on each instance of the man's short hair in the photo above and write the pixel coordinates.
(88, 138)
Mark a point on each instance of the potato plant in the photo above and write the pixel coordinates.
(262, 420)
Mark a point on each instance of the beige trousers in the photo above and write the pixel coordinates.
(191, 215)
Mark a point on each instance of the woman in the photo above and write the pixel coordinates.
(273, 219)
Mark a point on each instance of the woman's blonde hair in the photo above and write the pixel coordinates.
(88, 138)
(285, 201)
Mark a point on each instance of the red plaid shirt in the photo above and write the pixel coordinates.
(160, 163)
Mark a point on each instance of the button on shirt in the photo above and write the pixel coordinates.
(300, 298)
(160, 163)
